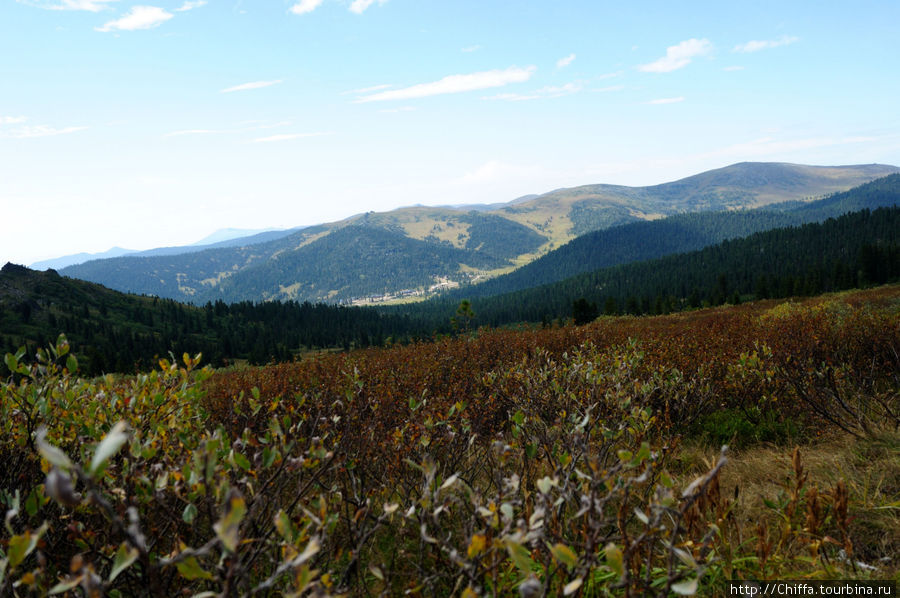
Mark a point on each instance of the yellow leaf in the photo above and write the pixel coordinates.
(476, 546)
(564, 554)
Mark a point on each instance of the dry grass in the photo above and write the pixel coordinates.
(870, 468)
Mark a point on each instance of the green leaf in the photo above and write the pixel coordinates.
(11, 362)
(62, 345)
(65, 586)
(520, 556)
(19, 548)
(190, 569)
(687, 587)
(33, 502)
(228, 526)
(109, 446)
(72, 364)
(665, 479)
(22, 545)
(242, 461)
(564, 554)
(269, 457)
(614, 559)
(284, 526)
(189, 513)
(125, 556)
(531, 451)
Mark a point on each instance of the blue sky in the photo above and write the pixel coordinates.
(151, 123)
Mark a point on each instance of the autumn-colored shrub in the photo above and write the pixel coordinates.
(530, 462)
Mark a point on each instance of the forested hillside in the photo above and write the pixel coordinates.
(112, 331)
(678, 234)
(858, 249)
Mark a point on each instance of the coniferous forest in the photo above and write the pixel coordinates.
(112, 331)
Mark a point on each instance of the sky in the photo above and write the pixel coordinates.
(154, 123)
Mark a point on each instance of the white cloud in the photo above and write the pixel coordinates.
(359, 6)
(757, 45)
(398, 110)
(474, 48)
(288, 137)
(191, 5)
(367, 89)
(12, 120)
(304, 6)
(250, 125)
(251, 85)
(564, 62)
(733, 68)
(544, 92)
(678, 56)
(88, 5)
(665, 101)
(455, 84)
(193, 132)
(32, 132)
(140, 17)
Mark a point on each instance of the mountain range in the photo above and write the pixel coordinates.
(416, 250)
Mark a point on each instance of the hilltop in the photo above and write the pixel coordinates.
(410, 250)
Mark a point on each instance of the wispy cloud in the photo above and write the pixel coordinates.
(12, 120)
(305, 6)
(733, 68)
(251, 85)
(665, 101)
(360, 6)
(757, 45)
(88, 5)
(288, 137)
(474, 48)
(194, 132)
(191, 5)
(566, 61)
(455, 84)
(252, 125)
(398, 110)
(139, 17)
(367, 89)
(32, 132)
(678, 56)
(539, 94)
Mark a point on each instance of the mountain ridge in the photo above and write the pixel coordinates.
(491, 241)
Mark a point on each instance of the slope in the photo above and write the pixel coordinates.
(678, 234)
(459, 244)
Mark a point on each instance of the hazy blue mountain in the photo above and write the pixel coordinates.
(78, 258)
(459, 245)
